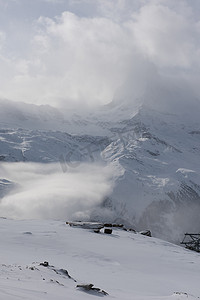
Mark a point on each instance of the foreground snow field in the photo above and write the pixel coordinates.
(125, 265)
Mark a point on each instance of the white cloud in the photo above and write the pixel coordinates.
(2, 39)
(44, 191)
(85, 60)
(54, 1)
(168, 37)
(73, 58)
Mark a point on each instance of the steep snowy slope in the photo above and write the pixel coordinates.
(124, 264)
(160, 185)
(47, 146)
(154, 157)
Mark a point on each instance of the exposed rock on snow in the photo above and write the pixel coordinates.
(146, 232)
(108, 230)
(91, 289)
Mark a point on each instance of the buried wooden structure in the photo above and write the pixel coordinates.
(192, 241)
(108, 227)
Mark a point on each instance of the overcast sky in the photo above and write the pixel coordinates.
(90, 51)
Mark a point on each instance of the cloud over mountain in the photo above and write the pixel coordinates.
(86, 53)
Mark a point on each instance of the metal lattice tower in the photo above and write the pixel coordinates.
(192, 241)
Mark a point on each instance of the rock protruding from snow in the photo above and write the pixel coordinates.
(91, 289)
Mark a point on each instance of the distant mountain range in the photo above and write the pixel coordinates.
(155, 158)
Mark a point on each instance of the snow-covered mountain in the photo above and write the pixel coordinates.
(160, 184)
(154, 156)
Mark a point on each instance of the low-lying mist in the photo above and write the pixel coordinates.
(44, 191)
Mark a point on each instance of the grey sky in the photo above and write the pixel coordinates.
(89, 51)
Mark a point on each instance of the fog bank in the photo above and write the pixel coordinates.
(44, 191)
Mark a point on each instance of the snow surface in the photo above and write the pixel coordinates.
(124, 264)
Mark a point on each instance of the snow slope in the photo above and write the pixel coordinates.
(48, 146)
(160, 183)
(124, 264)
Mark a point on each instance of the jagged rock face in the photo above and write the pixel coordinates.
(155, 161)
